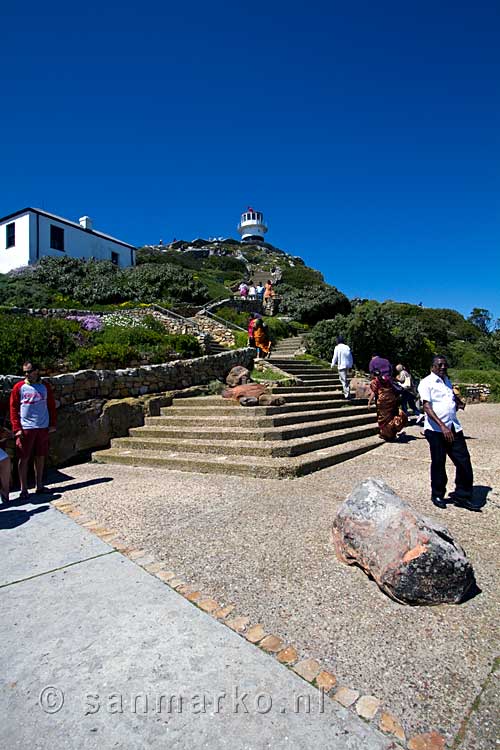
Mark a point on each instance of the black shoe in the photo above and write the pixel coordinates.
(464, 502)
(438, 502)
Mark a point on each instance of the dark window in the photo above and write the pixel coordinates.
(10, 235)
(56, 237)
(115, 258)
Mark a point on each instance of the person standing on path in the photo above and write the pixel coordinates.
(408, 394)
(5, 466)
(445, 436)
(342, 357)
(32, 416)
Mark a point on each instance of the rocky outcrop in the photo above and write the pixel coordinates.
(89, 424)
(411, 557)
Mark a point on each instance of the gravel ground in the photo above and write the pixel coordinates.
(265, 545)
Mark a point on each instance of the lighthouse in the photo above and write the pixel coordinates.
(252, 226)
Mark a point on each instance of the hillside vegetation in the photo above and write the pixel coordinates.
(174, 277)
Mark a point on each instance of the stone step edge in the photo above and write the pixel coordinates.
(211, 401)
(348, 421)
(271, 448)
(277, 468)
(367, 707)
(269, 421)
(266, 412)
(228, 409)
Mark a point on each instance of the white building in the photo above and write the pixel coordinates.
(252, 226)
(31, 234)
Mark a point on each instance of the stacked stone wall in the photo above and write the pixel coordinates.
(138, 381)
(215, 330)
(95, 406)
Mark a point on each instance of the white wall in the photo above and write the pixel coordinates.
(78, 243)
(32, 242)
(17, 256)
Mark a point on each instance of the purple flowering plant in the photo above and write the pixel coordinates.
(87, 322)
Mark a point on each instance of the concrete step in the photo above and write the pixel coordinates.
(260, 416)
(331, 382)
(274, 468)
(319, 375)
(227, 407)
(293, 397)
(293, 367)
(274, 448)
(300, 388)
(345, 418)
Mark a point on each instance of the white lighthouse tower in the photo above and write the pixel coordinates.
(252, 226)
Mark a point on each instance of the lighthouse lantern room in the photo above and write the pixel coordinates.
(252, 226)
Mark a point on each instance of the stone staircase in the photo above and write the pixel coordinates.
(286, 348)
(316, 428)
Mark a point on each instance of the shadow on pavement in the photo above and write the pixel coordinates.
(10, 519)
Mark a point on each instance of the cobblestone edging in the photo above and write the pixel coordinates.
(137, 381)
(367, 707)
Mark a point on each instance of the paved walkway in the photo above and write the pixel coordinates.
(97, 653)
(265, 546)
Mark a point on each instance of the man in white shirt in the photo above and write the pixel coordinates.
(445, 436)
(342, 357)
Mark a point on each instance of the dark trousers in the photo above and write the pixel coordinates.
(458, 452)
(408, 400)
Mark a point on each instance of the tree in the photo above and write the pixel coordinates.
(481, 318)
(371, 329)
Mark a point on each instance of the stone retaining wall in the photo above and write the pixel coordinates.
(137, 381)
(215, 330)
(95, 406)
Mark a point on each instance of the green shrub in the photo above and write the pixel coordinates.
(369, 329)
(313, 303)
(469, 377)
(112, 354)
(464, 356)
(302, 277)
(23, 291)
(240, 339)
(43, 340)
(227, 263)
(102, 283)
(135, 337)
(184, 344)
(152, 282)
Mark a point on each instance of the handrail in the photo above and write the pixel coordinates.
(227, 323)
(176, 316)
(214, 303)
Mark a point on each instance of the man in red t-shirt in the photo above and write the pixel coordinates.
(33, 417)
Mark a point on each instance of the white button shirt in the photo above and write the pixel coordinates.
(439, 393)
(342, 357)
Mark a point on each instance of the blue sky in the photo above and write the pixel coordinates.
(368, 134)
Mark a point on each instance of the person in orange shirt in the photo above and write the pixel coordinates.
(269, 290)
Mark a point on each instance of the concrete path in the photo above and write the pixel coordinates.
(97, 653)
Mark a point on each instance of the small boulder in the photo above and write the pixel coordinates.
(238, 376)
(411, 557)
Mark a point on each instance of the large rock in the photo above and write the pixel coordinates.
(411, 557)
(91, 424)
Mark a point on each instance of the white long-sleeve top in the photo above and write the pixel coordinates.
(342, 357)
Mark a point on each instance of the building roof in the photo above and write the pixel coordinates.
(66, 221)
